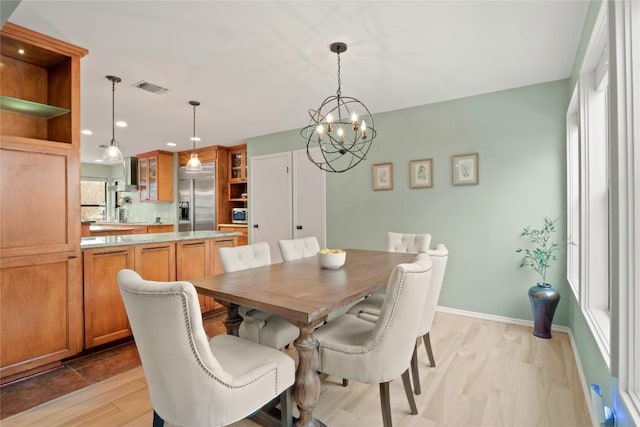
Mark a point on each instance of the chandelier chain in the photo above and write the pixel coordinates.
(339, 92)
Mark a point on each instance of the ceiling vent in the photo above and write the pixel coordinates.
(150, 87)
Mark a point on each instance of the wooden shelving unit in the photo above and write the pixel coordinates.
(41, 319)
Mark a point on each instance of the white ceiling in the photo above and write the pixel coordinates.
(257, 67)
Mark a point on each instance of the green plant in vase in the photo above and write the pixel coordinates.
(542, 253)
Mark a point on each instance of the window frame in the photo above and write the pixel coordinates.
(588, 199)
(624, 24)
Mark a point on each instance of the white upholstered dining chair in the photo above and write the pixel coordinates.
(293, 249)
(408, 243)
(360, 350)
(369, 309)
(258, 326)
(193, 380)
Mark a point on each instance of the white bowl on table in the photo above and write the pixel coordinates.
(332, 260)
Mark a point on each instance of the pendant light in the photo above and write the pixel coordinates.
(194, 164)
(341, 128)
(112, 153)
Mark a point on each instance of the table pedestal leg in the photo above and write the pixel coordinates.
(233, 320)
(307, 385)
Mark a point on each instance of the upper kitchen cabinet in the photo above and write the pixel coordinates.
(238, 174)
(40, 87)
(155, 176)
(205, 154)
(40, 132)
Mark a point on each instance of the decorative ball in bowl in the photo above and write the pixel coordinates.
(332, 259)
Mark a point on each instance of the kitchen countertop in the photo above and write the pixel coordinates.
(119, 224)
(110, 227)
(139, 239)
(232, 225)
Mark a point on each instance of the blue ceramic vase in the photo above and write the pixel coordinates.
(544, 300)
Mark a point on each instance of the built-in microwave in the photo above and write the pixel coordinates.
(239, 215)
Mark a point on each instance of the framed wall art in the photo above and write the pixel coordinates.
(465, 169)
(383, 176)
(421, 172)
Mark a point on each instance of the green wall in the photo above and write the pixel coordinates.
(520, 137)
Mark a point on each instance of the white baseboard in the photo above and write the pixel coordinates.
(501, 319)
(529, 323)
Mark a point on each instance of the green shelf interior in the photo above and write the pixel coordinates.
(34, 109)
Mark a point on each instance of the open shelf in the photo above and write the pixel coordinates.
(33, 109)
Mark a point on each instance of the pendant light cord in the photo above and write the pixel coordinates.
(194, 128)
(113, 112)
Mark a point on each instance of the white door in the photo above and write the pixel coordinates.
(308, 198)
(270, 200)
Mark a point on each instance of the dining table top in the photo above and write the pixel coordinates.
(301, 291)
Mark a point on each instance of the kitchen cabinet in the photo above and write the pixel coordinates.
(238, 165)
(156, 261)
(238, 176)
(104, 229)
(105, 318)
(160, 228)
(40, 88)
(205, 154)
(155, 176)
(195, 259)
(41, 286)
(40, 313)
(235, 228)
(110, 231)
(215, 245)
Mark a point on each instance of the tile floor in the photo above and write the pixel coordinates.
(79, 372)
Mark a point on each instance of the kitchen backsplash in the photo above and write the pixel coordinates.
(137, 211)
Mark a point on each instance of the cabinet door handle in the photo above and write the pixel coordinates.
(256, 226)
(154, 248)
(194, 244)
(111, 252)
(72, 256)
(298, 227)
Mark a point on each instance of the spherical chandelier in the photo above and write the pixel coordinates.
(341, 128)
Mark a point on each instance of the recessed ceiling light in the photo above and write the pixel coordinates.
(21, 51)
(121, 124)
(195, 138)
(86, 132)
(171, 144)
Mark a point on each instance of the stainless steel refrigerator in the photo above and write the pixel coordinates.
(197, 198)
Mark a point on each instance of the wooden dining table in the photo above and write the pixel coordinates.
(304, 294)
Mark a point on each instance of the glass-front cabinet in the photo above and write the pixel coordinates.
(143, 183)
(238, 175)
(155, 176)
(238, 160)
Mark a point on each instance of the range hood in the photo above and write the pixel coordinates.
(129, 182)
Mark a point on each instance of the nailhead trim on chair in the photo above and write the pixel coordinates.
(192, 346)
(384, 331)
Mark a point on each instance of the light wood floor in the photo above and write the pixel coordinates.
(487, 374)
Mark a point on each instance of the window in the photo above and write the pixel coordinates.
(625, 201)
(93, 199)
(588, 204)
